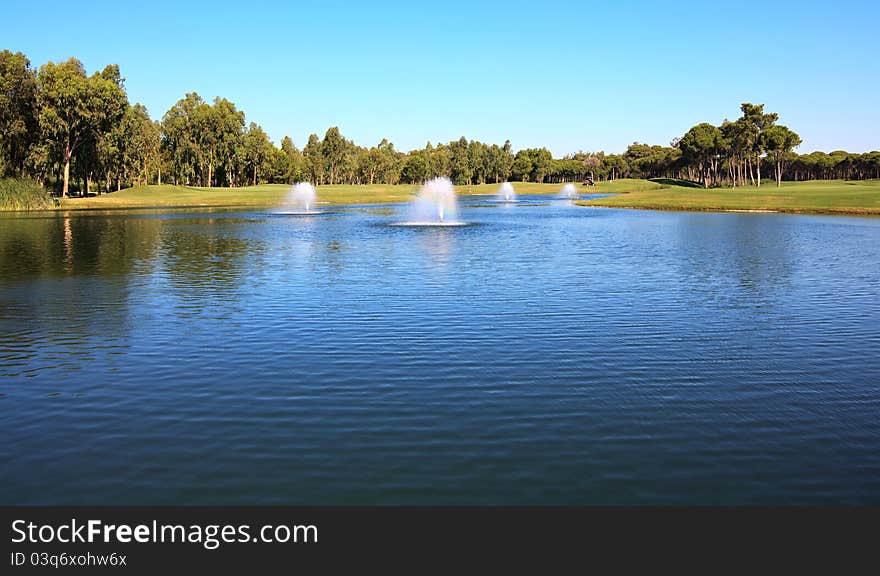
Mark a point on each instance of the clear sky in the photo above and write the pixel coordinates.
(567, 75)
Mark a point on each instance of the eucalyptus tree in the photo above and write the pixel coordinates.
(111, 155)
(258, 152)
(333, 152)
(460, 161)
(389, 162)
(180, 138)
(18, 105)
(227, 125)
(522, 166)
(541, 163)
(415, 167)
(75, 108)
(506, 160)
(347, 171)
(141, 143)
(476, 154)
(439, 160)
(314, 160)
(294, 163)
(494, 163)
(372, 159)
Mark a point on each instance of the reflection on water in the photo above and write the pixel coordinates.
(548, 354)
(436, 245)
(67, 283)
(68, 245)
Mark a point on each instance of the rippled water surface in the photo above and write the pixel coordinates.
(545, 354)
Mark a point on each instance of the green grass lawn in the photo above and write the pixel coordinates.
(820, 197)
(840, 197)
(266, 195)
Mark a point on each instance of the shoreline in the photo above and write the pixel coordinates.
(718, 210)
(584, 204)
(835, 198)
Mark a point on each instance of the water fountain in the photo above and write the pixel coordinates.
(435, 205)
(300, 201)
(569, 192)
(506, 193)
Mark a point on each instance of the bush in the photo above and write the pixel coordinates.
(23, 194)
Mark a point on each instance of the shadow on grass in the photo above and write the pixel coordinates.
(676, 182)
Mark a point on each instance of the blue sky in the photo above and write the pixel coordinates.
(567, 75)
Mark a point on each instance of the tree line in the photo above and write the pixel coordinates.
(78, 133)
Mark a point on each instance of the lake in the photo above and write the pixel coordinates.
(545, 354)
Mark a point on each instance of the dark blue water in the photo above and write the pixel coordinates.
(546, 354)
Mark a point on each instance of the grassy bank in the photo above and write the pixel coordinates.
(826, 197)
(266, 195)
(16, 194)
(817, 197)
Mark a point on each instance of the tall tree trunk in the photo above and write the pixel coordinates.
(758, 167)
(255, 174)
(66, 171)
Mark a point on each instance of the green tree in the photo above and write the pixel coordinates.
(439, 163)
(736, 136)
(616, 166)
(371, 163)
(494, 163)
(314, 160)
(227, 124)
(522, 166)
(296, 163)
(18, 104)
(591, 163)
(755, 122)
(141, 143)
(258, 151)
(415, 167)
(180, 138)
(460, 161)
(542, 163)
(506, 160)
(333, 151)
(75, 108)
(390, 165)
(779, 142)
(700, 146)
(477, 160)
